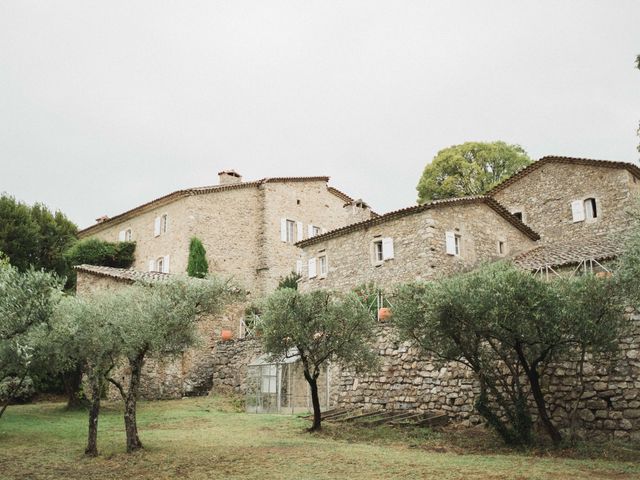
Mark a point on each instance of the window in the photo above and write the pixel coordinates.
(382, 250)
(590, 209)
(501, 247)
(323, 267)
(125, 235)
(288, 230)
(316, 230)
(377, 251)
(313, 230)
(161, 225)
(453, 243)
(584, 210)
(160, 264)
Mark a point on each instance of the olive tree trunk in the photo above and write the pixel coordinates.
(312, 379)
(130, 404)
(95, 386)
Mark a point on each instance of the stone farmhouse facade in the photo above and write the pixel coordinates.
(425, 242)
(248, 228)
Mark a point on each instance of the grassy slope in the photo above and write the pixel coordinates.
(194, 439)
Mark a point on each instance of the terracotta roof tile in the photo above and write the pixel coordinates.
(633, 169)
(123, 274)
(503, 212)
(569, 252)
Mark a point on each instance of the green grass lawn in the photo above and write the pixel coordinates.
(202, 439)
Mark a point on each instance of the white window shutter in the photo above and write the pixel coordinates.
(152, 265)
(300, 231)
(165, 264)
(299, 267)
(450, 239)
(309, 231)
(283, 229)
(122, 235)
(156, 227)
(577, 210)
(312, 267)
(387, 248)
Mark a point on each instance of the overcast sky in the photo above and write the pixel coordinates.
(105, 105)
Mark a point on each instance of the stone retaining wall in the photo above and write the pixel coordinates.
(609, 406)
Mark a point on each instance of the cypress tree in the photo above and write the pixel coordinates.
(198, 266)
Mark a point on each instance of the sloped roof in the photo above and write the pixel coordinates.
(569, 252)
(123, 274)
(489, 201)
(171, 197)
(630, 167)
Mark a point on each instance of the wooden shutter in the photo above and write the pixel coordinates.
(450, 240)
(577, 210)
(165, 264)
(309, 231)
(122, 235)
(152, 265)
(387, 248)
(156, 227)
(300, 231)
(283, 229)
(312, 267)
(299, 267)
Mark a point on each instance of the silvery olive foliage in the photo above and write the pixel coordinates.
(507, 325)
(321, 327)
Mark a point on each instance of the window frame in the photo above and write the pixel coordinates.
(323, 265)
(290, 230)
(591, 212)
(128, 235)
(160, 264)
(378, 252)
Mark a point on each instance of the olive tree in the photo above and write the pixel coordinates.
(320, 327)
(160, 319)
(507, 325)
(27, 302)
(85, 333)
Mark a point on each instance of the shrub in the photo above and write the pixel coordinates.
(98, 252)
(197, 265)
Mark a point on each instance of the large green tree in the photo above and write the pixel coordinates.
(472, 168)
(499, 319)
(320, 327)
(34, 236)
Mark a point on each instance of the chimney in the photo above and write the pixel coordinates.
(102, 219)
(357, 211)
(229, 177)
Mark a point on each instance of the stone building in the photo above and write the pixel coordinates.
(248, 228)
(424, 242)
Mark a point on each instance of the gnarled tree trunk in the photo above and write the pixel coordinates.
(94, 411)
(72, 381)
(312, 379)
(130, 403)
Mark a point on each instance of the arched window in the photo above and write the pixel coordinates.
(590, 209)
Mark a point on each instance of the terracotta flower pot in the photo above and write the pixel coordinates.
(226, 335)
(384, 314)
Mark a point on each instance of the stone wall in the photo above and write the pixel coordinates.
(419, 247)
(544, 197)
(230, 362)
(609, 407)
